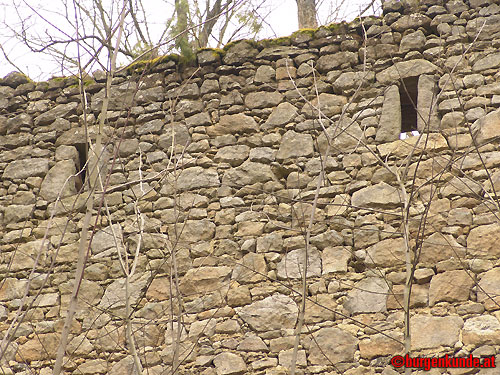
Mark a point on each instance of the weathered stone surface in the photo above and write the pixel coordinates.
(380, 345)
(351, 80)
(483, 241)
(386, 253)
(105, 238)
(368, 296)
(332, 346)
(334, 259)
(438, 247)
(14, 79)
(263, 99)
(234, 155)
(61, 110)
(114, 296)
(415, 145)
(381, 195)
(405, 69)
(345, 137)
(174, 133)
(199, 119)
(450, 286)
(41, 347)
(11, 288)
(239, 53)
(489, 289)
(486, 128)
(427, 118)
(204, 279)
(151, 127)
(327, 63)
(17, 212)
(59, 181)
(197, 177)
(419, 296)
(292, 264)
(295, 145)
(264, 74)
(411, 21)
(390, 120)
(328, 104)
(319, 308)
(275, 312)
(490, 61)
(412, 41)
(481, 330)
(20, 169)
(283, 114)
(229, 364)
(251, 269)
(247, 174)
(233, 124)
(433, 331)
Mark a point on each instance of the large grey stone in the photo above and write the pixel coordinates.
(490, 61)
(120, 97)
(248, 173)
(275, 312)
(114, 297)
(327, 63)
(368, 296)
(412, 41)
(432, 331)
(234, 155)
(24, 168)
(59, 181)
(411, 21)
(345, 136)
(328, 104)
(405, 69)
(427, 116)
(283, 114)
(349, 80)
(105, 239)
(294, 145)
(240, 52)
(292, 264)
(390, 120)
(263, 99)
(380, 195)
(173, 133)
(197, 177)
(332, 346)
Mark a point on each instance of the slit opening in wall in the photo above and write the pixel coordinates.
(82, 160)
(408, 92)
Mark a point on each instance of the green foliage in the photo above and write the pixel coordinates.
(250, 18)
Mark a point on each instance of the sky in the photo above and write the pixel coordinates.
(281, 21)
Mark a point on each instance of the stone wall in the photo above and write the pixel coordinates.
(222, 160)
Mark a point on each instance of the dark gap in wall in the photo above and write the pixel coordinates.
(82, 159)
(408, 95)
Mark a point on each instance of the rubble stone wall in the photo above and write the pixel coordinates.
(217, 172)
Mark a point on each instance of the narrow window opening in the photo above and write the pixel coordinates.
(408, 91)
(82, 159)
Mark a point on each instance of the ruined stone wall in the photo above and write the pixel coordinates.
(222, 160)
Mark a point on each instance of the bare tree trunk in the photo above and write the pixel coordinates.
(306, 10)
(182, 40)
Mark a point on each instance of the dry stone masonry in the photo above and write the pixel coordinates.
(224, 159)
